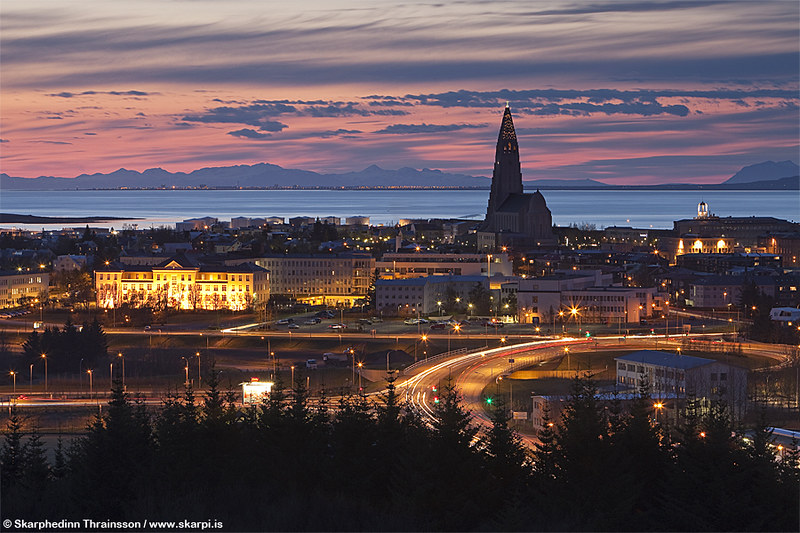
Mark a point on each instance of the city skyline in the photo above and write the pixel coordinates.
(625, 93)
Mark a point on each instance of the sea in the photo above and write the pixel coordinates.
(588, 208)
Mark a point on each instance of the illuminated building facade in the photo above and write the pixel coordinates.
(332, 279)
(20, 288)
(180, 283)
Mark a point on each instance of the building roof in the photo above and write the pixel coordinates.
(665, 359)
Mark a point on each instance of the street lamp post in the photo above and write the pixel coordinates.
(657, 407)
(123, 368)
(91, 391)
(439, 303)
(456, 328)
(186, 371)
(198, 369)
(44, 356)
(31, 385)
(360, 365)
(561, 318)
(292, 384)
(111, 374)
(14, 376)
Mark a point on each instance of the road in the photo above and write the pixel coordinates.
(472, 372)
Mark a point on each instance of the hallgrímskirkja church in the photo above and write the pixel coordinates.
(513, 218)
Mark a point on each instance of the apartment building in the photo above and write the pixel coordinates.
(334, 279)
(19, 288)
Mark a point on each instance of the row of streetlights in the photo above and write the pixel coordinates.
(90, 372)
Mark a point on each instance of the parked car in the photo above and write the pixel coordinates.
(438, 325)
(294, 326)
(284, 322)
(312, 321)
(337, 326)
(312, 364)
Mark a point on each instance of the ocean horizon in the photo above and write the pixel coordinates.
(601, 208)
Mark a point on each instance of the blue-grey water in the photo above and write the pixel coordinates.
(643, 209)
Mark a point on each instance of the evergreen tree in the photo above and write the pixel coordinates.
(12, 454)
(507, 456)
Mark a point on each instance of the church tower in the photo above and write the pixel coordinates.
(507, 176)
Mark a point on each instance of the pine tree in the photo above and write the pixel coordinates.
(507, 456)
(12, 454)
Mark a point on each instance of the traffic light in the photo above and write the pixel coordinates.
(588, 334)
(434, 388)
(435, 399)
(489, 400)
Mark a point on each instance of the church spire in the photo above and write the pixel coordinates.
(507, 139)
(507, 177)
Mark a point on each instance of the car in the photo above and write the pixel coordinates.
(284, 322)
(312, 364)
(312, 321)
(366, 321)
(337, 326)
(438, 325)
(493, 324)
(294, 326)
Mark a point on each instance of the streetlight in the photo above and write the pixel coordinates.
(574, 312)
(198, 369)
(186, 370)
(360, 364)
(292, 367)
(470, 309)
(566, 352)
(14, 376)
(456, 328)
(439, 303)
(561, 318)
(123, 368)
(425, 340)
(91, 392)
(658, 406)
(111, 374)
(44, 356)
(31, 378)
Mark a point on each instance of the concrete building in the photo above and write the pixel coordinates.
(421, 264)
(198, 224)
(333, 279)
(21, 288)
(708, 233)
(670, 375)
(787, 245)
(357, 221)
(411, 296)
(181, 283)
(513, 218)
(569, 299)
(723, 292)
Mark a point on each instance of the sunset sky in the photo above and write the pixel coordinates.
(624, 92)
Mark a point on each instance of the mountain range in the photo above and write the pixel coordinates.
(766, 175)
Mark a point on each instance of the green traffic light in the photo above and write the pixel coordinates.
(489, 401)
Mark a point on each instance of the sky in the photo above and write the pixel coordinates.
(625, 92)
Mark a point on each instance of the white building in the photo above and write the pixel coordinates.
(588, 292)
(676, 376)
(318, 279)
(421, 264)
(421, 296)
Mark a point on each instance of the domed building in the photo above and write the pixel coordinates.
(513, 218)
